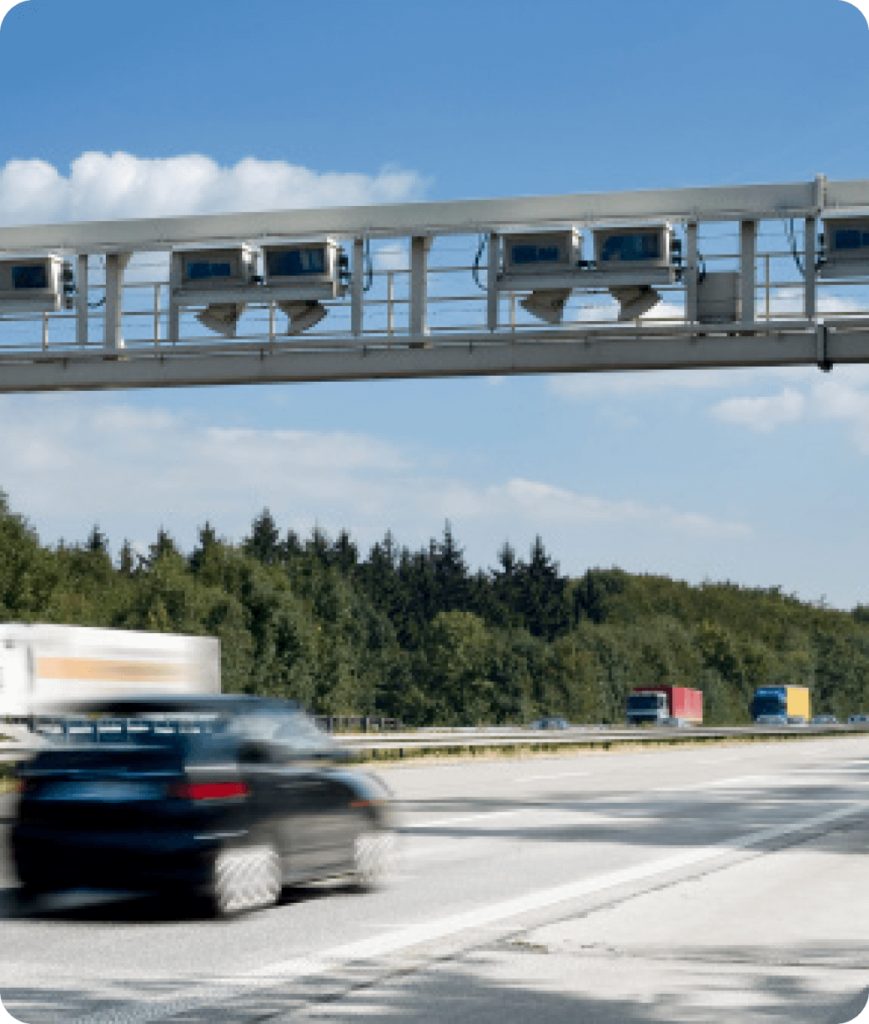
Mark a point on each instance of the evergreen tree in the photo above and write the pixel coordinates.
(264, 540)
(207, 542)
(450, 574)
(344, 554)
(126, 559)
(541, 594)
(97, 542)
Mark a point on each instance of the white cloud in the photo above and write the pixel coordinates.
(133, 470)
(632, 384)
(841, 398)
(391, 256)
(762, 414)
(790, 301)
(103, 186)
(545, 503)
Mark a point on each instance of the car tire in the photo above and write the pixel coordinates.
(373, 859)
(245, 878)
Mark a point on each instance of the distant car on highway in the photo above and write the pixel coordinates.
(796, 720)
(549, 723)
(228, 797)
(858, 719)
(825, 720)
(771, 720)
(677, 723)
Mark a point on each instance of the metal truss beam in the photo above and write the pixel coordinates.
(473, 354)
(741, 202)
(432, 340)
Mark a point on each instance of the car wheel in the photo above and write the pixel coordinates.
(245, 878)
(373, 854)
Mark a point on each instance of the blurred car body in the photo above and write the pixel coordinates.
(226, 797)
(771, 720)
(858, 719)
(676, 723)
(549, 723)
(825, 720)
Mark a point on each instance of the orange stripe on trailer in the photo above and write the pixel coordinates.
(109, 670)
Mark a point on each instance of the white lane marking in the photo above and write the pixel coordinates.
(735, 780)
(732, 781)
(539, 819)
(557, 775)
(429, 931)
(462, 818)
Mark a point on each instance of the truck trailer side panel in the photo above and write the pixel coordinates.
(798, 701)
(44, 666)
(686, 703)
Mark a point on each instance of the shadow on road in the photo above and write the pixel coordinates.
(490, 986)
(82, 905)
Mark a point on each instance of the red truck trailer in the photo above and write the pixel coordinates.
(655, 703)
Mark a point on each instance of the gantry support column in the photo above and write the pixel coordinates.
(494, 268)
(418, 326)
(81, 300)
(357, 287)
(115, 264)
(810, 301)
(691, 273)
(747, 254)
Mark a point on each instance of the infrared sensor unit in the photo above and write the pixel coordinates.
(316, 270)
(34, 284)
(632, 249)
(200, 275)
(547, 263)
(542, 252)
(846, 247)
(303, 273)
(197, 270)
(629, 260)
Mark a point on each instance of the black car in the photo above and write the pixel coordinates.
(226, 797)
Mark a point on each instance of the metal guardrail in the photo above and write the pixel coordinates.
(600, 737)
(389, 746)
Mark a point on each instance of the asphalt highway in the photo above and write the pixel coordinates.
(697, 884)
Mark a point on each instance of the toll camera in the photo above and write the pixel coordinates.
(546, 262)
(201, 275)
(213, 269)
(846, 247)
(627, 262)
(300, 275)
(41, 284)
(630, 260)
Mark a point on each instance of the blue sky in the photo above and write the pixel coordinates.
(755, 477)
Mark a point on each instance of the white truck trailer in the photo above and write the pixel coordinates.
(43, 667)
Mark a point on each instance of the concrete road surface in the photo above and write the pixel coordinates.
(702, 884)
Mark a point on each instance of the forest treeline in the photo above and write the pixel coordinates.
(418, 635)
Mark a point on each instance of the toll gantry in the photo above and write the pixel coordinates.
(755, 275)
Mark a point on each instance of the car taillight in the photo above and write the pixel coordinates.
(208, 790)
